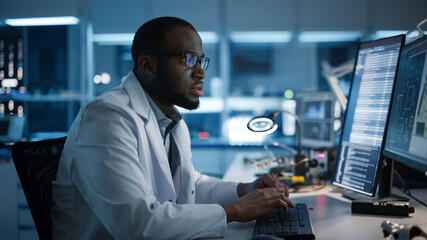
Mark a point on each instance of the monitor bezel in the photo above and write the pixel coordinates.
(381, 157)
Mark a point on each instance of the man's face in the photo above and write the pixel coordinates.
(174, 83)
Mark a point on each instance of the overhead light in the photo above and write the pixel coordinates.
(261, 37)
(113, 38)
(329, 36)
(127, 38)
(386, 33)
(208, 37)
(42, 21)
(389, 33)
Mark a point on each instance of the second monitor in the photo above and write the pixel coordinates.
(407, 131)
(359, 155)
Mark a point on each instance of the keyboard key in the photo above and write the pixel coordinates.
(285, 229)
(294, 229)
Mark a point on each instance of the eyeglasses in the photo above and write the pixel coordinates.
(191, 60)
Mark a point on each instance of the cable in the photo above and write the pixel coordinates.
(421, 23)
(276, 144)
(313, 187)
(294, 165)
(406, 190)
(301, 179)
(416, 199)
(266, 148)
(296, 187)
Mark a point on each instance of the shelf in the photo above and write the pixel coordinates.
(43, 98)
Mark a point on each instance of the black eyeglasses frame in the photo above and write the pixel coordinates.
(191, 59)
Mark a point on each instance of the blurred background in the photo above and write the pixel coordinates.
(265, 56)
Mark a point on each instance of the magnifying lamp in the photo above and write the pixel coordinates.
(267, 125)
(263, 124)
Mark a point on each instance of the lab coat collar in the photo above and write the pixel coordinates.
(137, 96)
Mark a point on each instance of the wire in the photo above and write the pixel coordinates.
(266, 148)
(294, 165)
(313, 187)
(421, 23)
(416, 199)
(406, 190)
(298, 179)
(416, 29)
(276, 144)
(296, 187)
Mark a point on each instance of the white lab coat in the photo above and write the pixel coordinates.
(114, 180)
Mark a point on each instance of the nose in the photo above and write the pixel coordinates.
(199, 73)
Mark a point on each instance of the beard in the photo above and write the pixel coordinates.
(162, 88)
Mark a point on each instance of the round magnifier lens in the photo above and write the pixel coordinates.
(260, 124)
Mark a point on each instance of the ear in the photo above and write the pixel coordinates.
(146, 63)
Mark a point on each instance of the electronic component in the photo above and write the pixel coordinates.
(316, 114)
(321, 156)
(393, 208)
(401, 231)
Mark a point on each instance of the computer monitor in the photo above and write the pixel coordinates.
(406, 140)
(315, 111)
(359, 159)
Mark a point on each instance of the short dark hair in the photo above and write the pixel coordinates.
(149, 36)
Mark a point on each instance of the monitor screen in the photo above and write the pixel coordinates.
(406, 139)
(315, 111)
(359, 153)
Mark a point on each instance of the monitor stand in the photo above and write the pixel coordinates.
(384, 186)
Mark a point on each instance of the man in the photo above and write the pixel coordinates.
(126, 171)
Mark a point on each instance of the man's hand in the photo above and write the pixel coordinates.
(257, 204)
(265, 181)
(258, 198)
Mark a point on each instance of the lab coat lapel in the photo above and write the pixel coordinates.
(139, 103)
(160, 161)
(182, 142)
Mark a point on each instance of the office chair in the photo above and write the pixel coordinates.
(37, 164)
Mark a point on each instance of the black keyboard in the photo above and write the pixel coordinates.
(293, 224)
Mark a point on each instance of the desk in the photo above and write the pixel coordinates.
(331, 213)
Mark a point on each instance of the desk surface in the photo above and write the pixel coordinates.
(330, 213)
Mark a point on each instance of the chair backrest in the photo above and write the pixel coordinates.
(37, 164)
